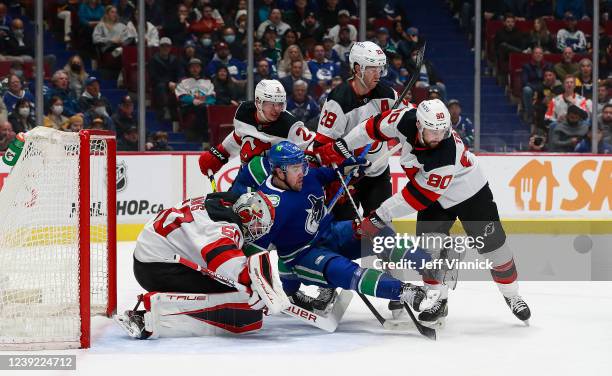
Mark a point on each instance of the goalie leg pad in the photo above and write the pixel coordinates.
(266, 284)
(189, 315)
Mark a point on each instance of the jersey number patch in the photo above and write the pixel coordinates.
(438, 181)
(183, 216)
(328, 119)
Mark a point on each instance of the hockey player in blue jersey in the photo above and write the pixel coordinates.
(312, 247)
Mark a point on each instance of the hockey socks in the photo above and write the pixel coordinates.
(344, 273)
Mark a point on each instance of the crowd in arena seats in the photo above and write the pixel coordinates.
(541, 51)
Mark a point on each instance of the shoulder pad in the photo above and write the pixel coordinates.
(381, 91)
(407, 126)
(344, 95)
(246, 112)
(443, 155)
(219, 207)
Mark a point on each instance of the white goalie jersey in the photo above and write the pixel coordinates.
(448, 173)
(250, 138)
(188, 230)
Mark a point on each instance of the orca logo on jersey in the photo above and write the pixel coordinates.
(315, 213)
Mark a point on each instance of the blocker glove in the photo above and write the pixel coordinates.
(333, 152)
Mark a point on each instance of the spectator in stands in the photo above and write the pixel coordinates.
(295, 16)
(585, 145)
(532, 77)
(538, 141)
(274, 19)
(125, 10)
(259, 52)
(108, 36)
(3, 112)
(154, 13)
(508, 39)
(98, 110)
(189, 52)
(131, 32)
(551, 86)
(330, 54)
(383, 39)
(344, 45)
(226, 91)
(178, 26)
(290, 38)
(22, 118)
(223, 56)
(408, 42)
(574, 7)
(570, 36)
(301, 105)
(605, 122)
(271, 44)
(5, 20)
(397, 74)
(603, 96)
(344, 18)
(321, 68)
(539, 36)
(75, 123)
(206, 24)
(263, 71)
(164, 70)
(293, 53)
(55, 118)
(59, 87)
(76, 75)
(91, 95)
(15, 92)
(311, 31)
(567, 65)
(328, 14)
(194, 93)
(557, 108)
(90, 14)
(205, 49)
(124, 118)
(237, 47)
(427, 76)
(584, 81)
(434, 93)
(129, 140)
(159, 142)
(16, 46)
(263, 11)
(567, 133)
(295, 74)
(6, 133)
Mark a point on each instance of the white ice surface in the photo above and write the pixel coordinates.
(570, 334)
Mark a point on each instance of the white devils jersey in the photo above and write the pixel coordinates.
(250, 138)
(344, 110)
(448, 173)
(188, 230)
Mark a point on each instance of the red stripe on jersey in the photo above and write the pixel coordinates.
(411, 172)
(373, 128)
(433, 196)
(411, 200)
(224, 257)
(359, 150)
(323, 139)
(237, 138)
(244, 278)
(222, 242)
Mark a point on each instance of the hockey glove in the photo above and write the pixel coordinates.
(357, 164)
(370, 227)
(333, 152)
(213, 159)
(267, 291)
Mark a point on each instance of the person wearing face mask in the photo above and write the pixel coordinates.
(160, 142)
(98, 111)
(18, 47)
(92, 94)
(236, 46)
(22, 118)
(237, 68)
(55, 119)
(76, 75)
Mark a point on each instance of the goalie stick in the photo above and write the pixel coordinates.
(329, 322)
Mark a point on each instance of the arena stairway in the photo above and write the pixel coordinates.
(450, 52)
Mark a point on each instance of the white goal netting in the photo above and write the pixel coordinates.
(40, 242)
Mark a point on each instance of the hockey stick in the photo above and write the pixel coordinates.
(211, 177)
(427, 332)
(328, 323)
(413, 77)
(346, 180)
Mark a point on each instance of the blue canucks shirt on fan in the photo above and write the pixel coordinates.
(300, 218)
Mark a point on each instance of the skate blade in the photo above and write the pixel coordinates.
(124, 322)
(438, 324)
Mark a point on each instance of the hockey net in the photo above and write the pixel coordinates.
(57, 239)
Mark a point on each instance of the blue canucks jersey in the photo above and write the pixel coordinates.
(300, 216)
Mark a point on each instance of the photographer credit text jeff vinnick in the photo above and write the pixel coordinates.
(411, 243)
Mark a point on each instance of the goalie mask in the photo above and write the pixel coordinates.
(256, 213)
